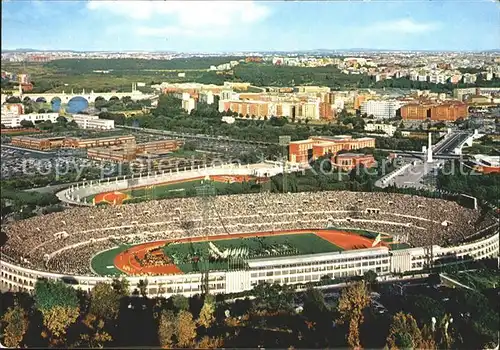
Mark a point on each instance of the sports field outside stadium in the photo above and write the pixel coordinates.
(172, 188)
(191, 254)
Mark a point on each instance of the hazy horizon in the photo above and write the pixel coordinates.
(232, 26)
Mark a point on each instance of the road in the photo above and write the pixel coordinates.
(418, 167)
(414, 174)
(449, 144)
(197, 136)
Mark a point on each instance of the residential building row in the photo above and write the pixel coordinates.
(130, 151)
(13, 114)
(447, 111)
(306, 103)
(114, 148)
(50, 143)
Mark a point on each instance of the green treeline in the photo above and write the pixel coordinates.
(79, 66)
(56, 315)
(455, 177)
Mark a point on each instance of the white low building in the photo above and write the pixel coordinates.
(12, 120)
(85, 121)
(386, 128)
(228, 119)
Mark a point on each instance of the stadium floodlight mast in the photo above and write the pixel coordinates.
(205, 191)
(284, 142)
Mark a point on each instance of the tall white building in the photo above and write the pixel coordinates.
(437, 78)
(384, 109)
(188, 104)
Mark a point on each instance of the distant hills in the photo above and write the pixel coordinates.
(312, 51)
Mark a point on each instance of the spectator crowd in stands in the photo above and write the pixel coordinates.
(66, 241)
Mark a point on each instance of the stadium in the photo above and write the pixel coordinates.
(234, 242)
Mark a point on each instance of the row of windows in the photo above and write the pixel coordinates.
(326, 262)
(314, 277)
(369, 264)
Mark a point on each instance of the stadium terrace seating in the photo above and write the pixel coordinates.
(48, 242)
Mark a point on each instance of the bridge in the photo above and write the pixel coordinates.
(91, 96)
(417, 165)
(453, 143)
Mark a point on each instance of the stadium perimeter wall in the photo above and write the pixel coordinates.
(76, 194)
(284, 270)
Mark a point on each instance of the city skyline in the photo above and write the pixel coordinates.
(230, 26)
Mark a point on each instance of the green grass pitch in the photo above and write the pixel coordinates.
(183, 189)
(103, 263)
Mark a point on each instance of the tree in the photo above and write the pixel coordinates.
(272, 297)
(352, 302)
(207, 318)
(15, 324)
(314, 304)
(143, 287)
(27, 124)
(207, 342)
(13, 99)
(445, 337)
(189, 146)
(95, 336)
(166, 329)
(181, 303)
(62, 120)
(105, 301)
(370, 277)
(58, 304)
(404, 332)
(72, 124)
(185, 329)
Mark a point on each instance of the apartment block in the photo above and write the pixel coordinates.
(188, 104)
(130, 151)
(40, 144)
(206, 97)
(316, 146)
(415, 111)
(449, 112)
(119, 154)
(381, 109)
(75, 142)
(158, 147)
(437, 111)
(348, 161)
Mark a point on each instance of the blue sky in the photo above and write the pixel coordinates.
(211, 26)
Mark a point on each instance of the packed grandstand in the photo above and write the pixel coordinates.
(65, 242)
